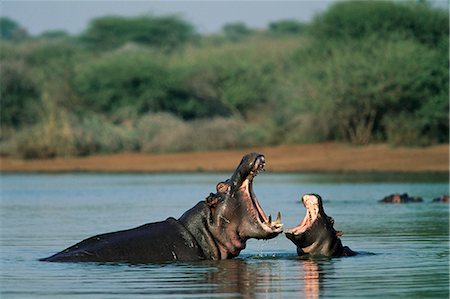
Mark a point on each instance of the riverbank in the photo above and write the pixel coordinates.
(327, 157)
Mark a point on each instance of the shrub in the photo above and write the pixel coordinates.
(19, 94)
(287, 27)
(161, 132)
(214, 134)
(65, 134)
(233, 80)
(359, 19)
(353, 86)
(165, 32)
(236, 31)
(164, 132)
(121, 79)
(11, 30)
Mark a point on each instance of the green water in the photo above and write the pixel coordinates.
(405, 248)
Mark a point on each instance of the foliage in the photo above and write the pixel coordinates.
(287, 27)
(55, 34)
(358, 19)
(19, 94)
(122, 79)
(236, 31)
(166, 32)
(10, 30)
(363, 72)
(362, 85)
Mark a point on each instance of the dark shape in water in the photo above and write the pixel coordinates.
(443, 198)
(216, 228)
(316, 235)
(401, 198)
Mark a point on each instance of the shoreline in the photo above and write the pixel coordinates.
(323, 157)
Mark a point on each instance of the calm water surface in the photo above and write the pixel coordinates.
(405, 248)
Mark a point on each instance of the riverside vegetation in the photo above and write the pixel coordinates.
(360, 72)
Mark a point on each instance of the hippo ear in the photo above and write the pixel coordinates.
(212, 200)
(223, 187)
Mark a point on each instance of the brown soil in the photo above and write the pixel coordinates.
(328, 157)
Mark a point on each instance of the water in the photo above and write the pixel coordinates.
(405, 248)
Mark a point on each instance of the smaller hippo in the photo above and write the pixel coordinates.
(315, 235)
(443, 198)
(401, 198)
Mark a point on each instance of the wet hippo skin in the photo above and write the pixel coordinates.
(216, 228)
(316, 235)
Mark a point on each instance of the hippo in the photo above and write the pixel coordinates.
(316, 235)
(443, 198)
(214, 229)
(401, 198)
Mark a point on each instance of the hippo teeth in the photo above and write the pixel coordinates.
(257, 170)
(277, 223)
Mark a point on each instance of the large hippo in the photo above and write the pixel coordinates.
(216, 228)
(315, 235)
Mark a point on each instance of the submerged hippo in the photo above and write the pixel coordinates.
(443, 198)
(401, 198)
(216, 228)
(315, 235)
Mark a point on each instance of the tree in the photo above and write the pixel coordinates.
(19, 95)
(236, 31)
(166, 32)
(11, 30)
(287, 27)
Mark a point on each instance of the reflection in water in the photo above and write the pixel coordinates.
(246, 278)
(311, 279)
(238, 278)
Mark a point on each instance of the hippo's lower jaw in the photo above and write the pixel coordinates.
(315, 235)
(312, 213)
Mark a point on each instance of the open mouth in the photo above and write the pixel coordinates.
(252, 202)
(311, 203)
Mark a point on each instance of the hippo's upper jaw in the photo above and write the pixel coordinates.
(261, 226)
(315, 235)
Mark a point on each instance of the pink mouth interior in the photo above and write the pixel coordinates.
(251, 199)
(311, 204)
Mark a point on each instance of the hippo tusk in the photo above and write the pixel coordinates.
(278, 220)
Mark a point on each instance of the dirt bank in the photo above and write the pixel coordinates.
(329, 157)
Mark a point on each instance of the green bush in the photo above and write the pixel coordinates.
(287, 27)
(233, 80)
(236, 31)
(359, 19)
(136, 79)
(165, 32)
(19, 94)
(11, 30)
(353, 86)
